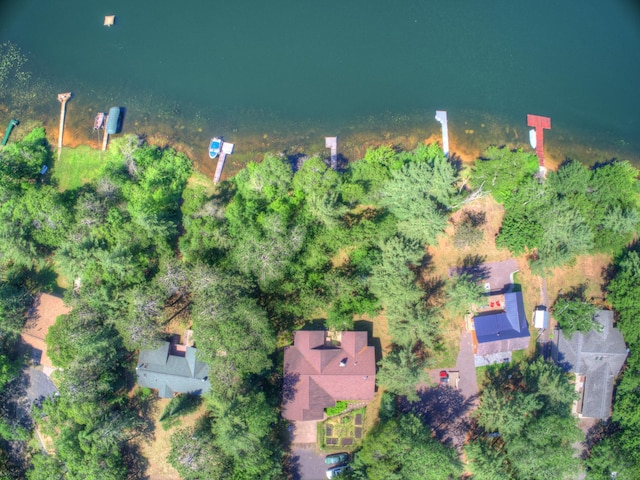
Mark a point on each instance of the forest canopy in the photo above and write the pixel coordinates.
(282, 246)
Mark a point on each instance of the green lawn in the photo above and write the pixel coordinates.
(198, 179)
(480, 374)
(77, 166)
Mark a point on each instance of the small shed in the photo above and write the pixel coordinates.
(541, 318)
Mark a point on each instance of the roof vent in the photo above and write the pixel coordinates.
(343, 362)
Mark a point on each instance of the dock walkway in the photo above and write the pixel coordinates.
(332, 143)
(63, 98)
(227, 149)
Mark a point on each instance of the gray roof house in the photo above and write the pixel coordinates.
(172, 370)
(596, 357)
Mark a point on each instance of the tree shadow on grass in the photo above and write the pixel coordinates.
(434, 290)
(473, 265)
(136, 463)
(445, 410)
(146, 406)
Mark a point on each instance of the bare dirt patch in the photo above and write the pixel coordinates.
(341, 258)
(157, 449)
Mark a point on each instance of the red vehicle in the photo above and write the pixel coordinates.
(444, 377)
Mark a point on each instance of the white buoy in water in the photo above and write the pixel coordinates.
(109, 20)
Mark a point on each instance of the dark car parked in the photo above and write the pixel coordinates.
(336, 458)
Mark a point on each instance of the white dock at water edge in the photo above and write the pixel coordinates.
(332, 143)
(227, 149)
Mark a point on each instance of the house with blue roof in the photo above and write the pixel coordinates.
(500, 329)
(172, 369)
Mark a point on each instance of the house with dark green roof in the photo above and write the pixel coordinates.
(172, 369)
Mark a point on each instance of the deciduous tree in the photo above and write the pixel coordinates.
(403, 449)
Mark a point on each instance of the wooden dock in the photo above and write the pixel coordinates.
(332, 143)
(227, 149)
(63, 98)
(105, 140)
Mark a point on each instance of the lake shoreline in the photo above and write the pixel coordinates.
(468, 139)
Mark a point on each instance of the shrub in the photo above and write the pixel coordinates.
(340, 407)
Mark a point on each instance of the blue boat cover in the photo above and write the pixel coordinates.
(113, 121)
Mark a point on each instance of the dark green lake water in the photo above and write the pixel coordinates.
(295, 70)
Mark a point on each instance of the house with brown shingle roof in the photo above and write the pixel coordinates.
(319, 372)
(42, 315)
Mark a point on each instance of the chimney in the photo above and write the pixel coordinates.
(190, 357)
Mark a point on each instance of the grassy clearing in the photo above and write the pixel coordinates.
(519, 355)
(587, 269)
(446, 355)
(372, 413)
(77, 166)
(198, 179)
(446, 255)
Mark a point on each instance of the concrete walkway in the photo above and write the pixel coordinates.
(304, 433)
